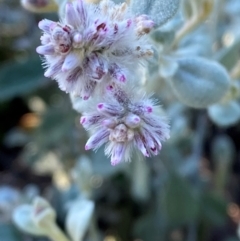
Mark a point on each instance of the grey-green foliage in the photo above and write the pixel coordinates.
(199, 82)
(20, 78)
(185, 206)
(160, 11)
(225, 114)
(167, 67)
(196, 43)
(223, 154)
(223, 150)
(228, 56)
(9, 232)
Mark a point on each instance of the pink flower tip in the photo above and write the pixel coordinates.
(85, 97)
(83, 120)
(153, 148)
(137, 119)
(129, 22)
(64, 69)
(40, 23)
(146, 154)
(100, 106)
(38, 49)
(68, 5)
(109, 87)
(87, 148)
(149, 109)
(115, 162)
(77, 38)
(122, 78)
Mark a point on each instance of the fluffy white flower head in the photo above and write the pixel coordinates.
(93, 44)
(125, 123)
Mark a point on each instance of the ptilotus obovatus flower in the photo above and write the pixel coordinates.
(125, 123)
(92, 44)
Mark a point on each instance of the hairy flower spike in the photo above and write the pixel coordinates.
(93, 44)
(125, 123)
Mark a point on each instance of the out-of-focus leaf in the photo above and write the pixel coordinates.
(225, 115)
(160, 11)
(223, 153)
(16, 137)
(147, 227)
(168, 67)
(20, 78)
(163, 37)
(23, 220)
(229, 56)
(78, 218)
(55, 124)
(223, 150)
(197, 43)
(179, 200)
(9, 233)
(199, 82)
(82, 173)
(213, 208)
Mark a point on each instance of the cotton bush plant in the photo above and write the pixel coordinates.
(116, 59)
(100, 48)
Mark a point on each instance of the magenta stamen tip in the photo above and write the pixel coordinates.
(109, 87)
(83, 120)
(149, 109)
(100, 106)
(122, 78)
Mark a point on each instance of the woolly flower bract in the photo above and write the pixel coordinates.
(93, 44)
(125, 123)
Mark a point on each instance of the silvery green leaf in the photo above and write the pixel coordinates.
(167, 67)
(197, 43)
(229, 56)
(22, 217)
(78, 218)
(199, 82)
(17, 79)
(192, 50)
(163, 37)
(225, 114)
(160, 11)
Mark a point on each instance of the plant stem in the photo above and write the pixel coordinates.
(194, 22)
(55, 233)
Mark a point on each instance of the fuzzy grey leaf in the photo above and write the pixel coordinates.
(199, 82)
(23, 220)
(225, 115)
(168, 67)
(160, 11)
(78, 218)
